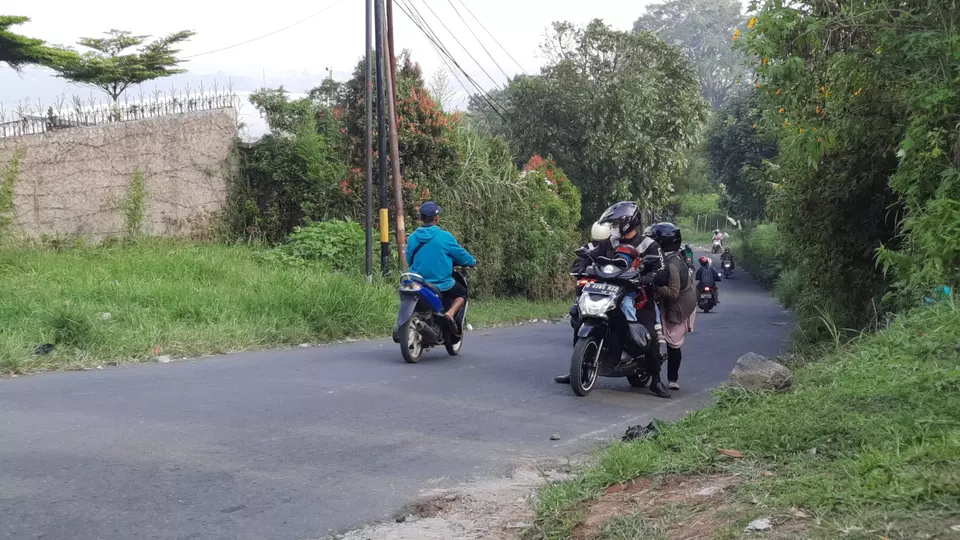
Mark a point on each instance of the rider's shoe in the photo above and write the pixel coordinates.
(562, 379)
(656, 387)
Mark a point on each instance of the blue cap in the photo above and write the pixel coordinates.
(430, 209)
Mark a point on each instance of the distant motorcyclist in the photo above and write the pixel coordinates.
(707, 275)
(688, 255)
(718, 236)
(432, 253)
(638, 306)
(727, 256)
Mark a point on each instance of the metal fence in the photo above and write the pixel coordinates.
(29, 118)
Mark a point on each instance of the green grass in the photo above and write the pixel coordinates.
(116, 304)
(867, 441)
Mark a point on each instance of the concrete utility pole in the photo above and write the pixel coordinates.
(368, 137)
(382, 139)
(391, 73)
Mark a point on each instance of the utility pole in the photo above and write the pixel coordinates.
(382, 139)
(391, 73)
(368, 137)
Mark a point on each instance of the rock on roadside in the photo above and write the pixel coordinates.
(754, 372)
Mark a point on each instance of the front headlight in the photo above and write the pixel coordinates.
(596, 306)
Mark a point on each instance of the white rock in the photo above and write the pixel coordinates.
(165, 359)
(759, 525)
(755, 372)
(106, 316)
(709, 491)
(304, 345)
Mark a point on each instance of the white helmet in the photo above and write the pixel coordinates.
(600, 232)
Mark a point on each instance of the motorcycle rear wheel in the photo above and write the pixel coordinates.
(584, 365)
(411, 342)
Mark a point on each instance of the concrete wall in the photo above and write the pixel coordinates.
(74, 181)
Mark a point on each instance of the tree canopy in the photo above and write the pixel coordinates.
(18, 51)
(616, 110)
(702, 30)
(110, 68)
(737, 154)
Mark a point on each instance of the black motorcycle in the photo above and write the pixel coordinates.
(727, 266)
(599, 351)
(705, 298)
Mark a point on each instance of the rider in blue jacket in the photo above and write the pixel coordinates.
(432, 253)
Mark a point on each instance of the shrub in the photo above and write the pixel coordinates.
(335, 245)
(764, 253)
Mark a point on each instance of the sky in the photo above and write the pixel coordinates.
(332, 38)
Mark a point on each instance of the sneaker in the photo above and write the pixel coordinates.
(673, 385)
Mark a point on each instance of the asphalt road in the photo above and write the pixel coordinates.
(291, 444)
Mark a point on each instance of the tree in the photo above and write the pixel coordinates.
(18, 51)
(107, 67)
(738, 155)
(616, 110)
(702, 29)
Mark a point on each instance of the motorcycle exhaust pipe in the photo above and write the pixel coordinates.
(427, 331)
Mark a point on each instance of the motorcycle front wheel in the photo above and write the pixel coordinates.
(584, 365)
(411, 342)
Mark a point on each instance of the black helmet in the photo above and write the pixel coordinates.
(668, 236)
(624, 216)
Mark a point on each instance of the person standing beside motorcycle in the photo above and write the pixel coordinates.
(707, 275)
(637, 306)
(432, 253)
(678, 300)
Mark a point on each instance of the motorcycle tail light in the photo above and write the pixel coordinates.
(583, 282)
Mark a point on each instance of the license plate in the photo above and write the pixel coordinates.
(601, 288)
(707, 295)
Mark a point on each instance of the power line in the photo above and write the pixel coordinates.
(416, 17)
(444, 25)
(492, 36)
(305, 19)
(484, 47)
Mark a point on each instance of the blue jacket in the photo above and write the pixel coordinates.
(708, 276)
(437, 257)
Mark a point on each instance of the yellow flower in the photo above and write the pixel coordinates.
(786, 122)
(778, 92)
(857, 93)
(801, 131)
(736, 34)
(780, 110)
(754, 125)
(765, 61)
(756, 85)
(752, 23)
(827, 93)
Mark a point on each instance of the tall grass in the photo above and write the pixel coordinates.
(123, 303)
(868, 441)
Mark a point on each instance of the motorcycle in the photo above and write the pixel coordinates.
(582, 281)
(599, 350)
(421, 324)
(727, 267)
(705, 298)
(717, 246)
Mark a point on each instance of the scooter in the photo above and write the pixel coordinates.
(717, 246)
(599, 350)
(727, 266)
(705, 299)
(421, 323)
